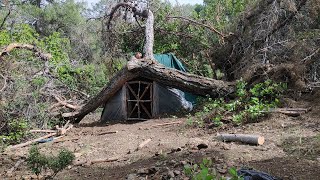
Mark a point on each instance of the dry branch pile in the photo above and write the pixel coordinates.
(269, 42)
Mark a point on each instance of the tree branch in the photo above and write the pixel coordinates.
(114, 10)
(200, 24)
(5, 19)
(12, 46)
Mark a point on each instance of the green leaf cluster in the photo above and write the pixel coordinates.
(38, 162)
(16, 131)
(248, 105)
(204, 171)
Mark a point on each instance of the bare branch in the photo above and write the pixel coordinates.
(200, 24)
(4, 83)
(114, 10)
(5, 19)
(10, 47)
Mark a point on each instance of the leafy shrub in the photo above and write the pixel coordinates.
(16, 131)
(38, 162)
(205, 172)
(249, 104)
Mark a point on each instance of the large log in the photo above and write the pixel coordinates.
(154, 71)
(105, 94)
(192, 83)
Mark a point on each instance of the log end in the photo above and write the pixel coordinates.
(260, 140)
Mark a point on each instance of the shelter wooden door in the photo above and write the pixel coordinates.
(139, 100)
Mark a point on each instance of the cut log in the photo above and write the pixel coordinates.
(244, 138)
(194, 84)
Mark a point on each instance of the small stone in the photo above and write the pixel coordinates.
(171, 174)
(173, 162)
(226, 147)
(131, 177)
(183, 163)
(26, 177)
(176, 172)
(33, 176)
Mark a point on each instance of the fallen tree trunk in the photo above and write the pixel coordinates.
(192, 83)
(244, 138)
(154, 71)
(105, 94)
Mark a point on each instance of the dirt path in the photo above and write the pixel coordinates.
(172, 146)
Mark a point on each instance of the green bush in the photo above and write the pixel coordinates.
(205, 172)
(16, 131)
(249, 104)
(38, 162)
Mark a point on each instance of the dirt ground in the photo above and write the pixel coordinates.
(291, 149)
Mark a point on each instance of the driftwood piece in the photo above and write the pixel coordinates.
(31, 141)
(12, 46)
(64, 103)
(290, 111)
(11, 170)
(244, 138)
(165, 124)
(43, 131)
(59, 131)
(88, 162)
(144, 143)
(63, 140)
(108, 132)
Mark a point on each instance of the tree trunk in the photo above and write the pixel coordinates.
(148, 47)
(167, 76)
(192, 83)
(106, 93)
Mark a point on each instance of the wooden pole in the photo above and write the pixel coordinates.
(30, 142)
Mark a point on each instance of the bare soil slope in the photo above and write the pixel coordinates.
(291, 150)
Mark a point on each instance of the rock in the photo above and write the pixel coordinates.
(131, 177)
(147, 171)
(183, 163)
(202, 146)
(222, 168)
(197, 143)
(26, 177)
(226, 147)
(176, 172)
(171, 174)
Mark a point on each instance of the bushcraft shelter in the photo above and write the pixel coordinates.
(142, 98)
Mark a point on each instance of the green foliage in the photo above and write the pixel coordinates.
(38, 162)
(249, 104)
(204, 171)
(56, 164)
(16, 131)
